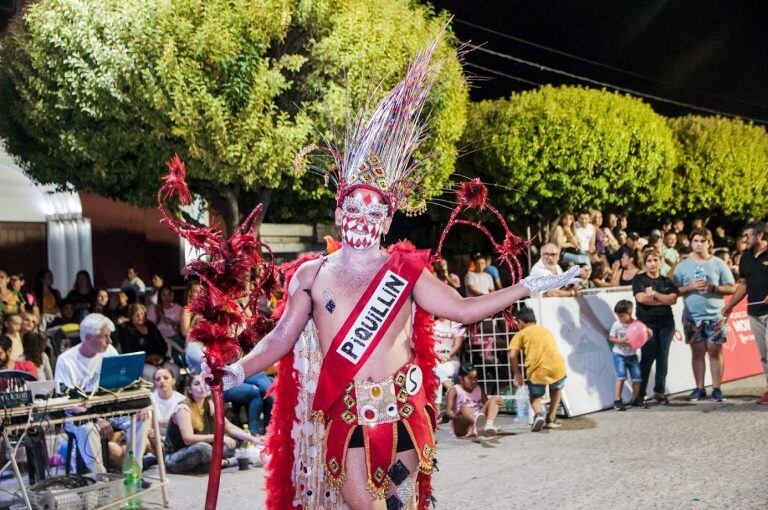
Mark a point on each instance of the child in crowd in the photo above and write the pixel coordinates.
(624, 357)
(544, 366)
(470, 411)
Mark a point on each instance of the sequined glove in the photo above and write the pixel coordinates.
(233, 375)
(537, 284)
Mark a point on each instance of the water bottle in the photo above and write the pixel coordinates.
(521, 402)
(247, 430)
(699, 273)
(132, 481)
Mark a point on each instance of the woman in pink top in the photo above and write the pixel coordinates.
(470, 411)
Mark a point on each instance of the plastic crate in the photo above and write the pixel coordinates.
(107, 489)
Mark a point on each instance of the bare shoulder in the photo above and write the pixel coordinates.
(308, 270)
(305, 275)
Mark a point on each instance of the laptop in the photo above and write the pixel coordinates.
(122, 370)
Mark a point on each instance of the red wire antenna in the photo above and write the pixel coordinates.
(473, 195)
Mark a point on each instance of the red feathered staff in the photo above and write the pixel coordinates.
(226, 268)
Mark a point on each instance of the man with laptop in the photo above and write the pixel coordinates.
(81, 367)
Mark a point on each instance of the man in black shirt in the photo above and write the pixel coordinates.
(753, 283)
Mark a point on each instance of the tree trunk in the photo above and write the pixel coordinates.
(225, 202)
(265, 197)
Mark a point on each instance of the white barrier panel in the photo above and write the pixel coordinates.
(580, 326)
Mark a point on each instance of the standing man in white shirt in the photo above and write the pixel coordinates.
(477, 281)
(548, 266)
(80, 367)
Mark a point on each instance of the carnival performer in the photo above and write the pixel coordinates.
(355, 340)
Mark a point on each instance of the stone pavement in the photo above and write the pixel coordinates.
(700, 456)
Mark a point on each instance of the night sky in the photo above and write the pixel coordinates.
(707, 53)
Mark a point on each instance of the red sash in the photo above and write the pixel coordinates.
(367, 324)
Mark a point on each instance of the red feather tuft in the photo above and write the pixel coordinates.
(472, 194)
(403, 245)
(175, 181)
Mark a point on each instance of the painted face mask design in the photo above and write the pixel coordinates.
(362, 221)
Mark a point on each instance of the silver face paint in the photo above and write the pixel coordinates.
(362, 224)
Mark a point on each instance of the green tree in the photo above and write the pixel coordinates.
(566, 148)
(99, 93)
(723, 168)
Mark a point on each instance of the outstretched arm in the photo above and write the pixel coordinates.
(283, 337)
(443, 301)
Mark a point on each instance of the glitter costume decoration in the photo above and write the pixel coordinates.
(354, 418)
(224, 267)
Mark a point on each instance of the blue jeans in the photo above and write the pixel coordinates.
(657, 349)
(623, 363)
(250, 394)
(538, 390)
(261, 381)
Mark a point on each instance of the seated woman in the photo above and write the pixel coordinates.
(470, 411)
(142, 335)
(165, 397)
(189, 438)
(121, 313)
(6, 362)
(34, 352)
(82, 294)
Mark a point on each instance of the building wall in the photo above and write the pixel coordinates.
(125, 235)
(23, 248)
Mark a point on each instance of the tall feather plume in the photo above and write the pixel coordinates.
(391, 130)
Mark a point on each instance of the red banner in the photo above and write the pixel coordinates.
(740, 352)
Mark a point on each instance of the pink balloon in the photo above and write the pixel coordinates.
(637, 334)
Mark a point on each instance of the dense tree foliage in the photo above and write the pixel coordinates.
(566, 148)
(98, 93)
(723, 167)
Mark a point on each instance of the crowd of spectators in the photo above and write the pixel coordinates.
(40, 330)
(675, 262)
(609, 253)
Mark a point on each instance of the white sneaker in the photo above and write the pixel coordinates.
(480, 421)
(491, 430)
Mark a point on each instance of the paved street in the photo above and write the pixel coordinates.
(699, 456)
